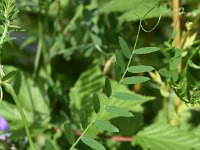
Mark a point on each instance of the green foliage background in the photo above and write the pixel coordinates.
(63, 50)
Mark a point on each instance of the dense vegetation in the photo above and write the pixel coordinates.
(99, 74)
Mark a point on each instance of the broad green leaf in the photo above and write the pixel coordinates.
(120, 60)
(106, 125)
(69, 133)
(135, 80)
(119, 112)
(92, 143)
(146, 50)
(125, 49)
(117, 72)
(9, 75)
(107, 88)
(131, 96)
(140, 68)
(139, 7)
(162, 136)
(96, 102)
(49, 145)
(83, 118)
(193, 65)
(81, 94)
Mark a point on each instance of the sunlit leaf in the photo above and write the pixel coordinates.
(92, 143)
(140, 68)
(69, 133)
(49, 145)
(108, 89)
(162, 136)
(119, 111)
(120, 60)
(135, 80)
(146, 50)
(106, 125)
(125, 49)
(96, 103)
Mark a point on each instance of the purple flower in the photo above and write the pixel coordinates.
(3, 124)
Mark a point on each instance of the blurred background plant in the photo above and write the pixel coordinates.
(66, 48)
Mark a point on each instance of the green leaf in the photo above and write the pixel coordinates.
(164, 72)
(131, 96)
(69, 133)
(96, 103)
(162, 136)
(140, 68)
(117, 72)
(83, 118)
(119, 112)
(1, 30)
(125, 49)
(146, 50)
(193, 65)
(49, 145)
(108, 89)
(106, 125)
(9, 75)
(120, 60)
(92, 143)
(135, 80)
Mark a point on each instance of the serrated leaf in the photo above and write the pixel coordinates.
(49, 145)
(83, 118)
(69, 133)
(118, 111)
(92, 143)
(131, 96)
(140, 69)
(162, 136)
(117, 72)
(135, 80)
(120, 60)
(193, 65)
(146, 50)
(108, 89)
(106, 125)
(96, 102)
(125, 49)
(9, 75)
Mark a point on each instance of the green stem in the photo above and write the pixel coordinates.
(39, 48)
(165, 107)
(15, 98)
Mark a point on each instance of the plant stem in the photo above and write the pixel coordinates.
(165, 105)
(177, 27)
(15, 98)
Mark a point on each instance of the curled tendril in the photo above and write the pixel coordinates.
(143, 18)
(181, 11)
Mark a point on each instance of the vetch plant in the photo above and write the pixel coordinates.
(121, 70)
